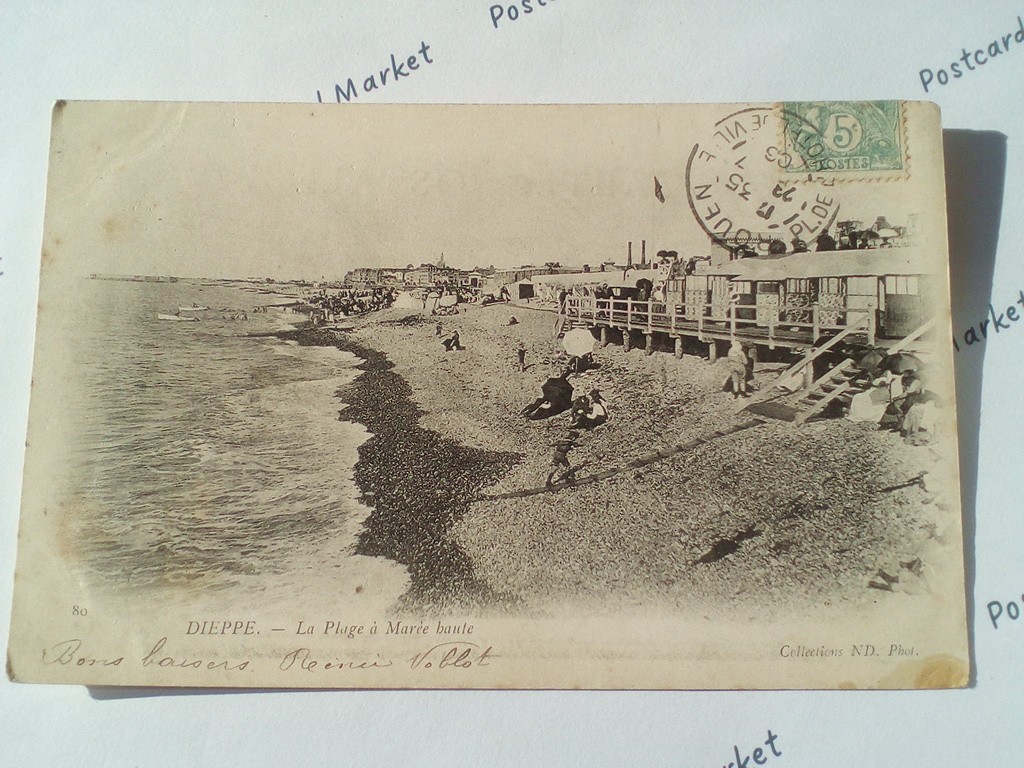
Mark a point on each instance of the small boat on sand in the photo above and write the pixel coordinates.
(186, 319)
(193, 308)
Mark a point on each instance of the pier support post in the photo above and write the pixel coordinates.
(679, 347)
(649, 344)
(627, 341)
(604, 335)
(712, 351)
(808, 376)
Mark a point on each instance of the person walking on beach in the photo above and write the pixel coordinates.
(560, 461)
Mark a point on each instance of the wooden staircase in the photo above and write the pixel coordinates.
(841, 382)
(568, 323)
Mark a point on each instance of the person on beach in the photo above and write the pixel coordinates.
(737, 365)
(578, 412)
(895, 415)
(581, 363)
(598, 412)
(452, 342)
(556, 398)
(521, 354)
(560, 461)
(589, 412)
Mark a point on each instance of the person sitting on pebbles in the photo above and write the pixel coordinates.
(556, 397)
(580, 364)
(598, 413)
(452, 342)
(579, 411)
(589, 411)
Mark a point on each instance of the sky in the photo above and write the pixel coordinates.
(300, 191)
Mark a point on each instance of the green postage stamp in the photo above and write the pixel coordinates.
(844, 136)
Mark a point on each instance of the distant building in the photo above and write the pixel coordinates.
(470, 280)
(363, 277)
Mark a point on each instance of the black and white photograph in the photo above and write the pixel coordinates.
(552, 396)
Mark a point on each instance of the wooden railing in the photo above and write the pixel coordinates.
(653, 316)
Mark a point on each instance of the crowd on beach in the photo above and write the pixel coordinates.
(350, 301)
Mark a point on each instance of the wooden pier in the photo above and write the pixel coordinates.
(773, 329)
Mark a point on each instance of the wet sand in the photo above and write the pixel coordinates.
(773, 514)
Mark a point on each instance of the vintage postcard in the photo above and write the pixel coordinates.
(493, 397)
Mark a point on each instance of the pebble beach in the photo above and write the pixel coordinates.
(683, 502)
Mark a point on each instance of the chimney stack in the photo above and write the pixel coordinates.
(629, 254)
(643, 252)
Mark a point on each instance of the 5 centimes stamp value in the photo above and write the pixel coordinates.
(844, 137)
(739, 191)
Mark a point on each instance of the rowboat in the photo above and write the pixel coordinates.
(162, 316)
(193, 308)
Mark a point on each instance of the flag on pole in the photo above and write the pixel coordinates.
(658, 193)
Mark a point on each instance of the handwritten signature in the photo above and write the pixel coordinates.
(301, 657)
(460, 655)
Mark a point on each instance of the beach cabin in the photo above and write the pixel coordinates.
(523, 290)
(830, 289)
(789, 301)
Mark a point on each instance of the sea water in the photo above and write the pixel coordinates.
(206, 459)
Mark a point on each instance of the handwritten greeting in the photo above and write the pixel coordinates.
(443, 647)
(446, 655)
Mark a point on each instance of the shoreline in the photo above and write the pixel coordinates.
(417, 483)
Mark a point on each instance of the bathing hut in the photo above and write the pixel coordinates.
(892, 284)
